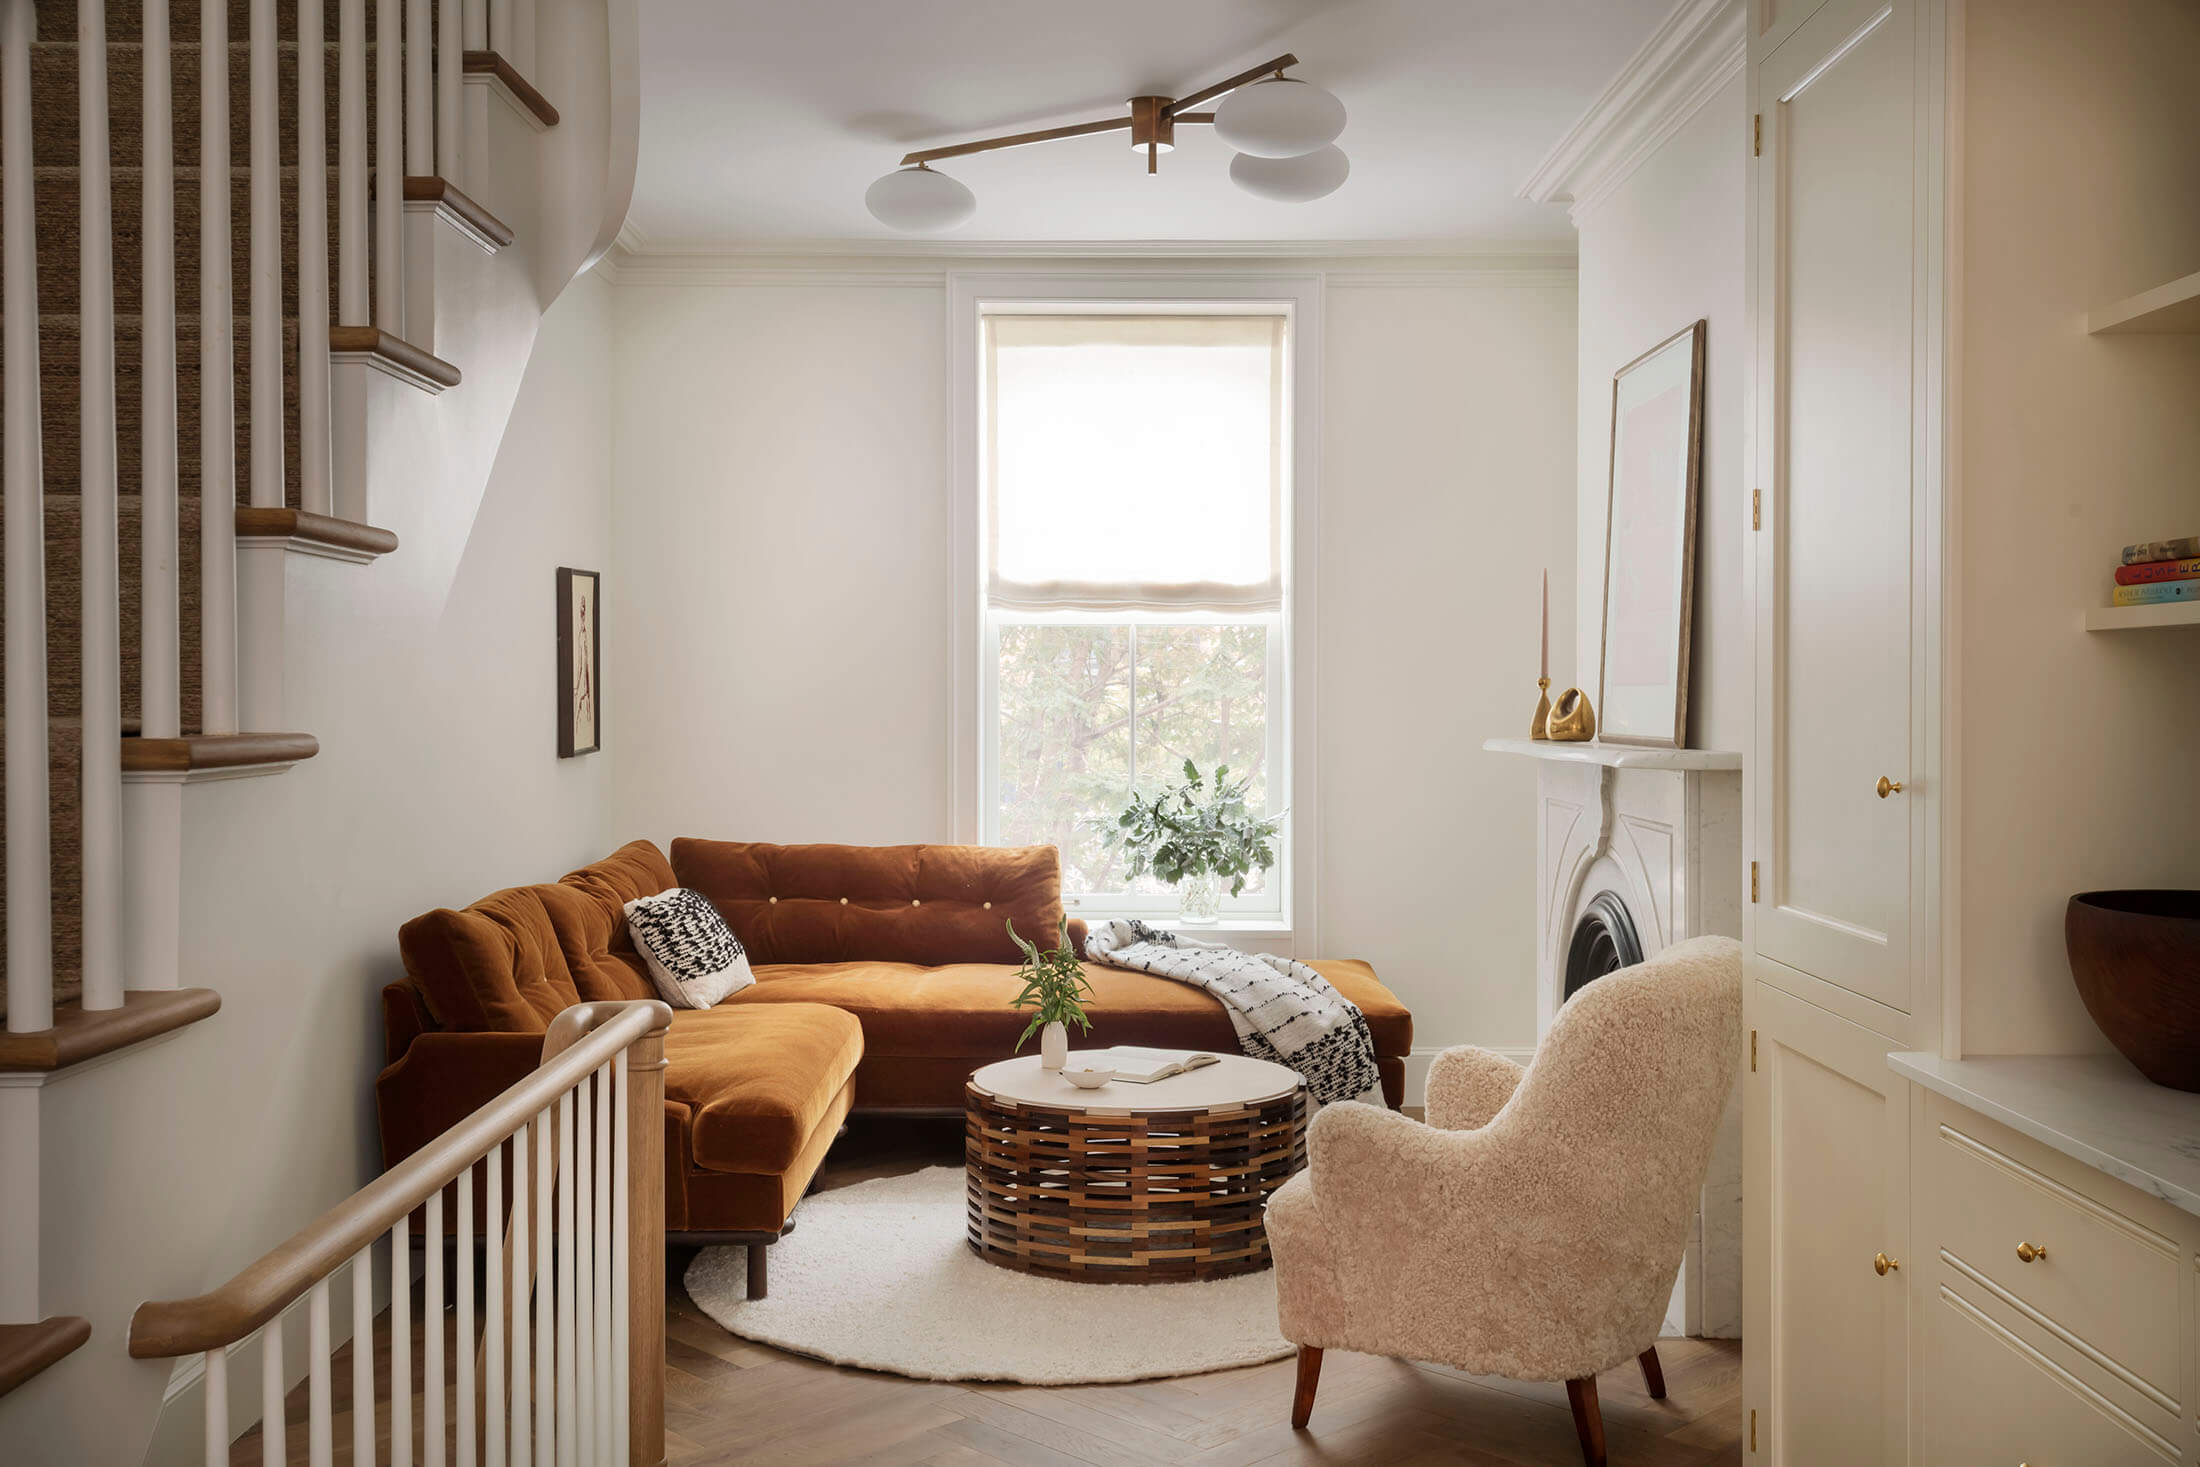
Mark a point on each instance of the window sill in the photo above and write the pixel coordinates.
(1265, 929)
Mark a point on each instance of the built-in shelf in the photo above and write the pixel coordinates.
(2166, 310)
(2131, 618)
(1617, 756)
(2093, 1108)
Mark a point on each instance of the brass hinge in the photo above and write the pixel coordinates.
(1753, 1431)
(1753, 1070)
(1753, 881)
(1756, 509)
(1757, 136)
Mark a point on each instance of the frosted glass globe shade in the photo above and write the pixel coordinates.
(1282, 117)
(919, 201)
(1292, 180)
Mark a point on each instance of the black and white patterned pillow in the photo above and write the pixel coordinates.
(693, 956)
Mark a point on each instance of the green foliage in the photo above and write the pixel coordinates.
(1054, 984)
(1195, 828)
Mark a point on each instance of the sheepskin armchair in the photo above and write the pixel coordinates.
(1533, 1227)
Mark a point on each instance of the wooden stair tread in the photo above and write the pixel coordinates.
(491, 63)
(26, 1349)
(430, 189)
(193, 753)
(78, 1035)
(375, 342)
(255, 523)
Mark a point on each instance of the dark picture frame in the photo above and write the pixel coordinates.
(580, 662)
(1655, 480)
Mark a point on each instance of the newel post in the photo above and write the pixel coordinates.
(644, 1124)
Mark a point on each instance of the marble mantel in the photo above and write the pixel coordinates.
(1618, 756)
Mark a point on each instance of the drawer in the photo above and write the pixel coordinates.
(1992, 1399)
(2107, 1283)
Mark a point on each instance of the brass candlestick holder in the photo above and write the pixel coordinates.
(1540, 728)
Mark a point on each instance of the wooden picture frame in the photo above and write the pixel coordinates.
(1654, 481)
(580, 662)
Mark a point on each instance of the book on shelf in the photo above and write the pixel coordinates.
(2157, 570)
(2158, 592)
(2184, 547)
(1144, 1066)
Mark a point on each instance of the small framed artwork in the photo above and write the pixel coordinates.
(580, 663)
(1650, 543)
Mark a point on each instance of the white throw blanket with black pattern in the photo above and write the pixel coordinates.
(1283, 1010)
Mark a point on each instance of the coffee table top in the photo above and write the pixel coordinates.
(1233, 1080)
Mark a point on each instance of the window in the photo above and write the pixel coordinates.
(1134, 517)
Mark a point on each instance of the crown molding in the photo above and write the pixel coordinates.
(1695, 51)
(638, 242)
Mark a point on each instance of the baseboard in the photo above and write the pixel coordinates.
(1421, 1056)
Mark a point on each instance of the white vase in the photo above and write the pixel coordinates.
(1053, 1047)
(1199, 898)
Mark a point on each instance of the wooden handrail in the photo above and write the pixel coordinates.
(579, 1040)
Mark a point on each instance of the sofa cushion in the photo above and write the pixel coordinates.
(758, 1082)
(962, 1011)
(589, 914)
(928, 905)
(496, 966)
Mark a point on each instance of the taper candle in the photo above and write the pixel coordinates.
(1546, 672)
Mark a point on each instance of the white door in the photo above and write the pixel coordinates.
(1841, 199)
(1826, 1143)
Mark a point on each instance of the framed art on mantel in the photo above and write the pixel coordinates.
(1650, 543)
(580, 663)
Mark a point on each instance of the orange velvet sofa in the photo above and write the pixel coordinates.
(883, 978)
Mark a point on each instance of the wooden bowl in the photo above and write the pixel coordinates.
(2136, 958)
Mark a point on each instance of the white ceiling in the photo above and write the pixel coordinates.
(764, 120)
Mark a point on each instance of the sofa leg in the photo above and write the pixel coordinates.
(1310, 1376)
(1653, 1374)
(757, 1269)
(1588, 1420)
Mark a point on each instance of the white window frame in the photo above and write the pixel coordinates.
(1288, 919)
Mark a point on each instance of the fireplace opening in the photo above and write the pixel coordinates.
(1604, 941)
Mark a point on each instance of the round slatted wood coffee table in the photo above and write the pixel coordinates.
(1157, 1183)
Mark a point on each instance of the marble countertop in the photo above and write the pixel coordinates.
(1617, 756)
(2094, 1108)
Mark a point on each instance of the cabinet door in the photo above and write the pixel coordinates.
(1827, 1153)
(1840, 432)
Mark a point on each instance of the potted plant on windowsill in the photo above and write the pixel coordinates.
(1055, 990)
(1195, 836)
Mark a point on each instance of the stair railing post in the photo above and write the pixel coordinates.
(217, 386)
(314, 487)
(638, 1227)
(264, 298)
(389, 168)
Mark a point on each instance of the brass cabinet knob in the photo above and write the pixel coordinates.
(1888, 786)
(2026, 1253)
(1883, 1265)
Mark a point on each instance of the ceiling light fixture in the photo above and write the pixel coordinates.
(1284, 131)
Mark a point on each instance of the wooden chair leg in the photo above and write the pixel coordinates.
(1653, 1374)
(1310, 1375)
(757, 1269)
(1588, 1420)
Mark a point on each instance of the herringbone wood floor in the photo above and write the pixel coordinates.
(729, 1401)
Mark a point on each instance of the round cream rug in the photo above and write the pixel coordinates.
(879, 1276)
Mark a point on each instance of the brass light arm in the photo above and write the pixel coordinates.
(1178, 107)
(1017, 140)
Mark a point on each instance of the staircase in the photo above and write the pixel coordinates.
(248, 252)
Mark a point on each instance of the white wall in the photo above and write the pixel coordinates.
(781, 666)
(438, 780)
(1662, 249)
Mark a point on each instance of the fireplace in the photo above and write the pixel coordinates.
(1637, 849)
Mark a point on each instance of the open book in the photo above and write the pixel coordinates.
(1144, 1066)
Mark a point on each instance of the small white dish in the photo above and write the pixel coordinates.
(1087, 1079)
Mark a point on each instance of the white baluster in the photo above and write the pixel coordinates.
(606, 1361)
(474, 18)
(546, 1354)
(389, 170)
(362, 1356)
(320, 1427)
(217, 386)
(99, 528)
(315, 489)
(522, 55)
(419, 89)
(217, 1407)
(622, 1208)
(583, 1244)
(450, 71)
(401, 1400)
(464, 1254)
(265, 296)
(522, 1380)
(159, 657)
(492, 1370)
(351, 162)
(274, 1432)
(568, 1375)
(29, 874)
(431, 1338)
(500, 27)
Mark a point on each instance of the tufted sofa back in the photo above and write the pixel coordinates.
(930, 905)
